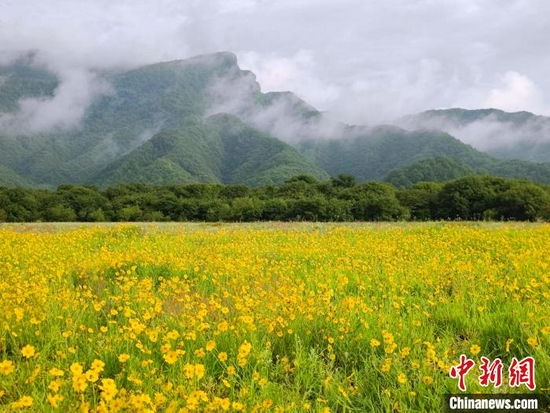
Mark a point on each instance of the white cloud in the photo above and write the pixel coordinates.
(515, 92)
(364, 61)
(63, 111)
(295, 73)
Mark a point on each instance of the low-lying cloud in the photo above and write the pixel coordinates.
(362, 62)
(282, 114)
(64, 111)
(493, 132)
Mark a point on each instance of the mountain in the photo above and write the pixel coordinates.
(220, 149)
(156, 99)
(518, 135)
(9, 179)
(375, 153)
(21, 80)
(204, 119)
(438, 169)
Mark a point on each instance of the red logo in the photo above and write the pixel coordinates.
(520, 372)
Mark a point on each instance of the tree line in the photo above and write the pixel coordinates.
(302, 198)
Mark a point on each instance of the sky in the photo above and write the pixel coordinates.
(362, 61)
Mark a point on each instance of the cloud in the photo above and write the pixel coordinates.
(282, 114)
(364, 62)
(63, 111)
(515, 93)
(295, 73)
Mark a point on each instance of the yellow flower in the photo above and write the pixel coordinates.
(427, 380)
(7, 367)
(172, 335)
(92, 376)
(189, 370)
(25, 401)
(79, 383)
(123, 358)
(28, 351)
(231, 370)
(56, 372)
(55, 385)
(244, 349)
(108, 389)
(532, 342)
(237, 406)
(402, 378)
(225, 404)
(388, 337)
(199, 371)
(76, 369)
(222, 357)
(508, 343)
(386, 366)
(374, 343)
(171, 357)
(54, 400)
(97, 365)
(475, 349)
(211, 345)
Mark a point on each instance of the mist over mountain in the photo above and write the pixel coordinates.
(204, 119)
(517, 135)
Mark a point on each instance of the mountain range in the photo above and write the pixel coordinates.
(206, 120)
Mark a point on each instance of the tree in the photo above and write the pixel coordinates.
(523, 202)
(375, 201)
(470, 198)
(420, 200)
(60, 213)
(343, 181)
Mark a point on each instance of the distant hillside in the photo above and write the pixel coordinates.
(221, 149)
(439, 169)
(9, 179)
(519, 135)
(205, 120)
(143, 102)
(20, 80)
(372, 153)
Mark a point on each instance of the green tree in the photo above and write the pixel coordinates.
(60, 213)
(523, 202)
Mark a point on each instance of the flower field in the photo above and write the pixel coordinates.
(268, 317)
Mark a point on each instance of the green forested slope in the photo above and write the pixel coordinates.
(153, 125)
(508, 135)
(220, 149)
(375, 153)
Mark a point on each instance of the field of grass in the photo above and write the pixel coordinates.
(266, 317)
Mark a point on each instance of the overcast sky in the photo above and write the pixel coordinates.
(364, 61)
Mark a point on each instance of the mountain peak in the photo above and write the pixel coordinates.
(218, 59)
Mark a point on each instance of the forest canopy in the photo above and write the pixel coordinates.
(301, 198)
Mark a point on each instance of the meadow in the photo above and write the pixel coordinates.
(266, 317)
